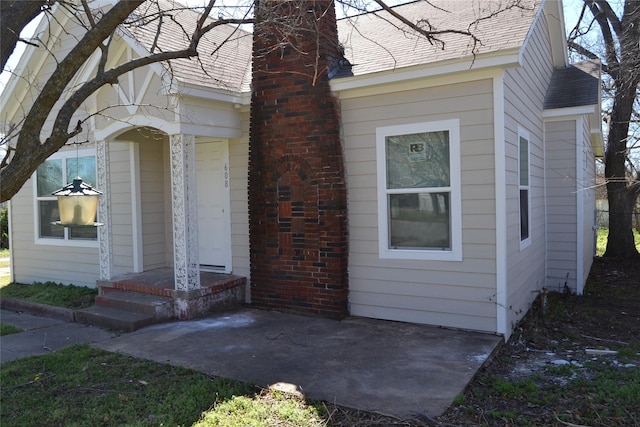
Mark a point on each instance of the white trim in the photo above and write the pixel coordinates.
(545, 201)
(501, 206)
(136, 208)
(457, 70)
(65, 241)
(211, 94)
(12, 275)
(455, 208)
(562, 113)
(580, 206)
(524, 134)
(553, 11)
(170, 128)
(126, 123)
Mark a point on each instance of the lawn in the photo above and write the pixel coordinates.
(50, 293)
(84, 386)
(601, 240)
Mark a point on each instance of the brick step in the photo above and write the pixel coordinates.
(150, 305)
(112, 318)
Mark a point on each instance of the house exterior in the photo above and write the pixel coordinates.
(468, 170)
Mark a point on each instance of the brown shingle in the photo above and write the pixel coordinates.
(225, 51)
(378, 41)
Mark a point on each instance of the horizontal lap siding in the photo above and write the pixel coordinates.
(153, 197)
(453, 294)
(39, 262)
(120, 207)
(525, 88)
(561, 209)
(238, 174)
(587, 186)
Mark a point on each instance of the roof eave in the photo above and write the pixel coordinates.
(503, 59)
(593, 112)
(195, 90)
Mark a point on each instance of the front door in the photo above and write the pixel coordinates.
(213, 205)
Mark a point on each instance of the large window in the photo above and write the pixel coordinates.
(56, 172)
(419, 208)
(523, 186)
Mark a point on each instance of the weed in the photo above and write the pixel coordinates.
(459, 400)
(6, 329)
(514, 389)
(567, 370)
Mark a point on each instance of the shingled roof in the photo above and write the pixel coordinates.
(378, 41)
(574, 86)
(373, 42)
(225, 51)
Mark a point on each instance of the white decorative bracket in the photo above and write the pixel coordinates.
(185, 219)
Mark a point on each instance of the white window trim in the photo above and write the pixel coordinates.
(455, 254)
(523, 133)
(50, 241)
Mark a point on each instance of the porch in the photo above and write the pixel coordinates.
(133, 300)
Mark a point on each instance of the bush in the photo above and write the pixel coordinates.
(4, 228)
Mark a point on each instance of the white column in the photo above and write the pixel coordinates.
(104, 210)
(185, 219)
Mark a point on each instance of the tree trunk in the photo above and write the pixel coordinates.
(620, 243)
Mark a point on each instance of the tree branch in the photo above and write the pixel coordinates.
(14, 16)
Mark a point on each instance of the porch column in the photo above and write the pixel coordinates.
(104, 210)
(185, 219)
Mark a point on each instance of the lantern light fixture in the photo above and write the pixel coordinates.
(77, 204)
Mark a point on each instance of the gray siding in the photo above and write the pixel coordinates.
(524, 90)
(239, 176)
(561, 204)
(587, 187)
(154, 195)
(120, 207)
(447, 293)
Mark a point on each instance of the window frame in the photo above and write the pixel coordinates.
(454, 189)
(523, 134)
(65, 240)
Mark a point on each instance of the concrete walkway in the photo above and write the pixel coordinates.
(43, 335)
(393, 368)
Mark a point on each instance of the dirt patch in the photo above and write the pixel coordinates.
(573, 360)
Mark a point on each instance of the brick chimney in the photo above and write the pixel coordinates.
(297, 193)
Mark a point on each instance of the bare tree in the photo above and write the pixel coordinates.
(618, 27)
(25, 148)
(25, 145)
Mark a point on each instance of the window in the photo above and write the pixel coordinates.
(56, 172)
(419, 207)
(523, 184)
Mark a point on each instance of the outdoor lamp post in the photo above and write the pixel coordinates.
(77, 204)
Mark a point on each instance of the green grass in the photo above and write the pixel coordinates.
(6, 329)
(601, 240)
(84, 386)
(270, 408)
(50, 293)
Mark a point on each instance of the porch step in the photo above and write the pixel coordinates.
(112, 318)
(151, 305)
